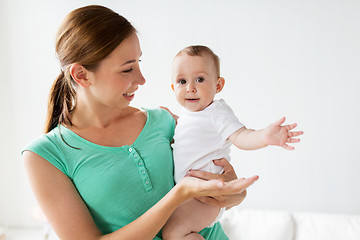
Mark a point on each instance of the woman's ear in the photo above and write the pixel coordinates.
(80, 74)
(220, 84)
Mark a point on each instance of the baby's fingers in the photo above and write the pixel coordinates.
(291, 126)
(287, 147)
(279, 122)
(293, 140)
(295, 134)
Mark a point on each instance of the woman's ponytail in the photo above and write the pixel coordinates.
(62, 100)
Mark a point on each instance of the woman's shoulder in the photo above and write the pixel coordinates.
(52, 144)
(158, 114)
(44, 140)
(49, 146)
(161, 119)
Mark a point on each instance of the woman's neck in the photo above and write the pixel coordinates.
(86, 115)
(108, 127)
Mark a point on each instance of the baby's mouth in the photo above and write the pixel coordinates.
(192, 99)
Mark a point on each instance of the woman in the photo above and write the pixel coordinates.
(103, 170)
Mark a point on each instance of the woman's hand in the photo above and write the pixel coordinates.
(226, 200)
(192, 187)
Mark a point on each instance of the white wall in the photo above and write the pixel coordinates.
(294, 58)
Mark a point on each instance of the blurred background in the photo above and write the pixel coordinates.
(293, 58)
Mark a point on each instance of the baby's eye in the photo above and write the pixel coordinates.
(200, 79)
(182, 81)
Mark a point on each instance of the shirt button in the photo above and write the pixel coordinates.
(147, 182)
(130, 149)
(135, 155)
(140, 163)
(143, 172)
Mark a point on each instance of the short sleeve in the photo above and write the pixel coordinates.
(166, 120)
(224, 120)
(47, 149)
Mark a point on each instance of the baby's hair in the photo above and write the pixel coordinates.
(199, 50)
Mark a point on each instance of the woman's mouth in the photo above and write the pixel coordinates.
(129, 96)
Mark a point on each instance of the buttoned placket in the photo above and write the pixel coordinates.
(141, 167)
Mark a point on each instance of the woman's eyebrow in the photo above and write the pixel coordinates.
(131, 61)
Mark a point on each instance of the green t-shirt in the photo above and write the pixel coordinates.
(118, 184)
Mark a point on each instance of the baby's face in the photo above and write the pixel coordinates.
(194, 81)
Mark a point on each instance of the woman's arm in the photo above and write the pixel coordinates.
(59, 200)
(70, 218)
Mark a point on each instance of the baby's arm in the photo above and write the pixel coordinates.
(274, 134)
(247, 139)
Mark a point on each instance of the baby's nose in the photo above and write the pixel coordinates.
(191, 88)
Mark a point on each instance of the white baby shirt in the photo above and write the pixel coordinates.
(201, 137)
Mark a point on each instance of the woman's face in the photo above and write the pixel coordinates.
(118, 76)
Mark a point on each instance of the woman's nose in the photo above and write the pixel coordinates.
(140, 79)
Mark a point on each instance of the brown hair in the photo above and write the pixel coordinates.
(199, 50)
(86, 36)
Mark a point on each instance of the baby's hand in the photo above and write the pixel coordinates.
(278, 135)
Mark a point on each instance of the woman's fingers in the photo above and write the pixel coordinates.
(223, 163)
(229, 172)
(201, 188)
(227, 175)
(239, 185)
(229, 188)
(224, 201)
(203, 175)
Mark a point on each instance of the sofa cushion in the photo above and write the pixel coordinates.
(322, 226)
(258, 225)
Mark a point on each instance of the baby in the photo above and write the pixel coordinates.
(205, 131)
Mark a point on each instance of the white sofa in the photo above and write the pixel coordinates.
(242, 224)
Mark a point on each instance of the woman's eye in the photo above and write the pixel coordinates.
(182, 81)
(127, 71)
(200, 79)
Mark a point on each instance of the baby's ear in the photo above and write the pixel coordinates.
(172, 86)
(220, 84)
